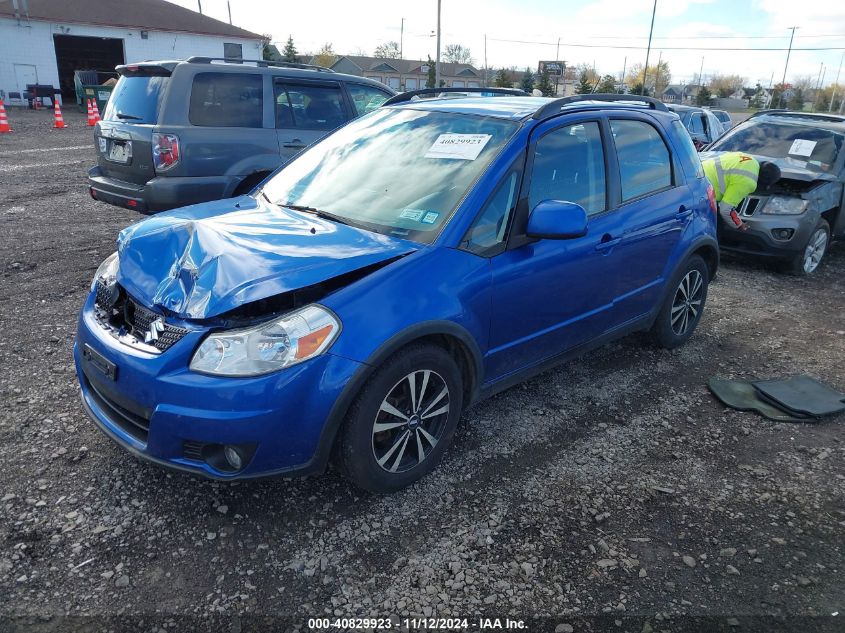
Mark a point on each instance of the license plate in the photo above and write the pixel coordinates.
(120, 152)
(99, 362)
(103, 144)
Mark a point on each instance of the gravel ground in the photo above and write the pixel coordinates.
(614, 492)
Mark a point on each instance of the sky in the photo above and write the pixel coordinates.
(521, 32)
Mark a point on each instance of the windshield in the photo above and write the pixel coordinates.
(797, 145)
(135, 99)
(398, 172)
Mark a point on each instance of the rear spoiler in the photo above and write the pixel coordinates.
(146, 69)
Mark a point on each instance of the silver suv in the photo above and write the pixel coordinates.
(180, 132)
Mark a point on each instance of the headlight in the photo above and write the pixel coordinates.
(781, 205)
(107, 271)
(280, 343)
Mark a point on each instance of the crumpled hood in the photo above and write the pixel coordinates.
(788, 167)
(203, 261)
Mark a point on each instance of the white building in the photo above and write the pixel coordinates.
(45, 41)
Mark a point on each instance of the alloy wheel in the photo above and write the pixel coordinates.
(410, 421)
(815, 250)
(687, 302)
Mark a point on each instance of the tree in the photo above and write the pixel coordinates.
(703, 97)
(326, 56)
(585, 86)
(796, 101)
(637, 89)
(457, 54)
(607, 84)
(388, 50)
(758, 101)
(429, 80)
(289, 52)
(527, 83)
(544, 85)
(778, 95)
(658, 78)
(725, 85)
(503, 79)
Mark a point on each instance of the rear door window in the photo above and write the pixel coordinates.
(227, 100)
(310, 107)
(645, 165)
(135, 99)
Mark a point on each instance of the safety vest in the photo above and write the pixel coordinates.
(733, 176)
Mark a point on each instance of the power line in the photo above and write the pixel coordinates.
(673, 48)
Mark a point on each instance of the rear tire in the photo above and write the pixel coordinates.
(248, 184)
(682, 309)
(808, 261)
(402, 421)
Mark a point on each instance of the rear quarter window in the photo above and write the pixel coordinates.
(686, 150)
(227, 100)
(136, 99)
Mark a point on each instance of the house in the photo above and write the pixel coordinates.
(681, 94)
(407, 74)
(45, 41)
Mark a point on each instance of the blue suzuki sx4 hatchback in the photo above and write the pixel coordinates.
(415, 261)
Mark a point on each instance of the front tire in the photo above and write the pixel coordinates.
(682, 309)
(808, 261)
(403, 420)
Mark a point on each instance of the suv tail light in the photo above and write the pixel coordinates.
(165, 151)
(711, 196)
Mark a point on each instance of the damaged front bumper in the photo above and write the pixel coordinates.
(776, 236)
(156, 408)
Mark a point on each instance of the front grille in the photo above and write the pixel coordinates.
(138, 426)
(748, 206)
(127, 314)
(192, 450)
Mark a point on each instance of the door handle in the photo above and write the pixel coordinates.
(683, 213)
(294, 144)
(607, 242)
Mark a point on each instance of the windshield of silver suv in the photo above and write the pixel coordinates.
(799, 145)
(397, 172)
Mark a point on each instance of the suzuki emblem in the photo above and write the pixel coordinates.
(156, 328)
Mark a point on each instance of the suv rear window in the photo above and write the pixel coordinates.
(135, 99)
(227, 100)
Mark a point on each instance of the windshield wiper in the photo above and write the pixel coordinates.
(318, 212)
(120, 115)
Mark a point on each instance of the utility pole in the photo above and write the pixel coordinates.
(199, 2)
(836, 84)
(557, 59)
(786, 65)
(648, 50)
(437, 61)
(657, 74)
(401, 37)
(229, 7)
(485, 60)
(624, 70)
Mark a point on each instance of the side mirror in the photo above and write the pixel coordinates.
(557, 220)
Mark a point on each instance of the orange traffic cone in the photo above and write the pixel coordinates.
(96, 110)
(58, 119)
(4, 122)
(91, 120)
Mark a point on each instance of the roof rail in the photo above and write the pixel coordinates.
(554, 107)
(407, 96)
(264, 63)
(822, 116)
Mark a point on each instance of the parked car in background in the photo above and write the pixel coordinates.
(724, 118)
(419, 259)
(795, 219)
(180, 132)
(702, 124)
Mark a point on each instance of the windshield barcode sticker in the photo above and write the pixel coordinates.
(458, 146)
(801, 147)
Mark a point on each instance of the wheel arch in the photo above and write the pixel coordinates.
(456, 340)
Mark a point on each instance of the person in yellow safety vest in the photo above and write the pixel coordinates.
(734, 175)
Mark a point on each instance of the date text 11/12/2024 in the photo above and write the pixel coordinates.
(458, 624)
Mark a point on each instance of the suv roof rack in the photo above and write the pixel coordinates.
(264, 63)
(822, 116)
(554, 107)
(407, 96)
